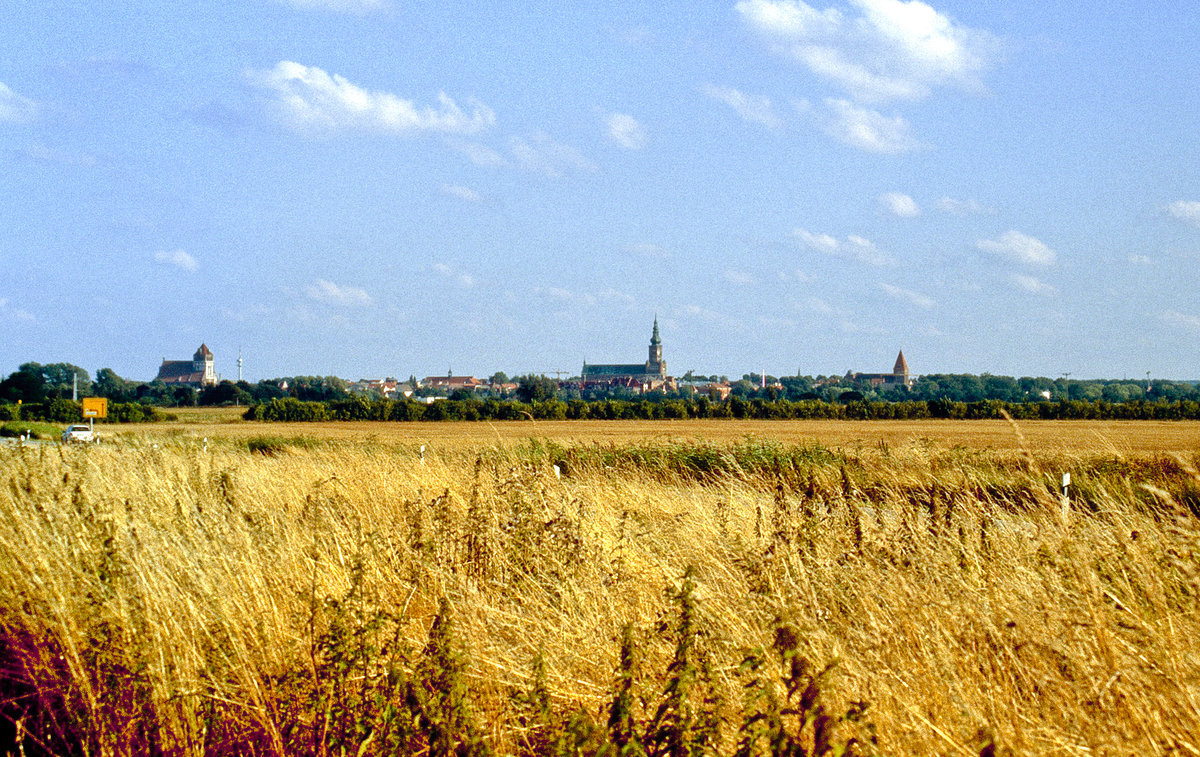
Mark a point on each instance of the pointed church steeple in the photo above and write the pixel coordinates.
(656, 364)
(900, 371)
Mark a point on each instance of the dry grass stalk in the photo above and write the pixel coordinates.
(160, 597)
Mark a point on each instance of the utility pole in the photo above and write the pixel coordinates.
(239, 365)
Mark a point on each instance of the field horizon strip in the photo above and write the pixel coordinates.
(1068, 437)
(280, 588)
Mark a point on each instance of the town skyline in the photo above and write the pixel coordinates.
(207, 372)
(356, 187)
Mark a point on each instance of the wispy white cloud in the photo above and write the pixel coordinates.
(14, 108)
(560, 294)
(962, 207)
(915, 298)
(796, 276)
(541, 154)
(876, 50)
(8, 313)
(310, 98)
(461, 278)
(477, 153)
(899, 204)
(852, 247)
(1020, 248)
(615, 296)
(825, 243)
(700, 313)
(330, 293)
(1186, 210)
(626, 131)
(1176, 318)
(358, 7)
(462, 193)
(177, 258)
(755, 109)
(864, 128)
(1032, 284)
(1141, 260)
(820, 306)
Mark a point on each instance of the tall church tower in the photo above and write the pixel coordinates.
(656, 364)
(202, 362)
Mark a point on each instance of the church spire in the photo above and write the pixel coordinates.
(656, 365)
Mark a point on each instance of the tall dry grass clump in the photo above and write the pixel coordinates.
(287, 597)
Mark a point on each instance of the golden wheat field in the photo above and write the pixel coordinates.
(603, 588)
(1113, 438)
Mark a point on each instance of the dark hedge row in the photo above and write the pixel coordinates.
(67, 411)
(362, 409)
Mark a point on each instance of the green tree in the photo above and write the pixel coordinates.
(316, 388)
(1116, 391)
(264, 391)
(184, 396)
(224, 393)
(109, 384)
(1088, 391)
(532, 388)
(744, 388)
(26, 384)
(61, 378)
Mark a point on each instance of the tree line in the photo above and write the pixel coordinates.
(38, 384)
(35, 383)
(360, 408)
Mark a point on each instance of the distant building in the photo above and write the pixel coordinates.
(453, 383)
(198, 371)
(388, 388)
(715, 390)
(641, 377)
(898, 377)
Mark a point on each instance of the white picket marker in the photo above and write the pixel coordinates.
(1066, 496)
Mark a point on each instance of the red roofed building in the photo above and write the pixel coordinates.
(198, 371)
(452, 383)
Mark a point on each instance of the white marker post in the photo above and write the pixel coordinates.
(1066, 496)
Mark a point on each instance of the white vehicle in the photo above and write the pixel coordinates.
(78, 433)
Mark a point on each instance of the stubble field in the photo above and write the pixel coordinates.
(711, 587)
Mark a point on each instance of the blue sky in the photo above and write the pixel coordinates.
(382, 187)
